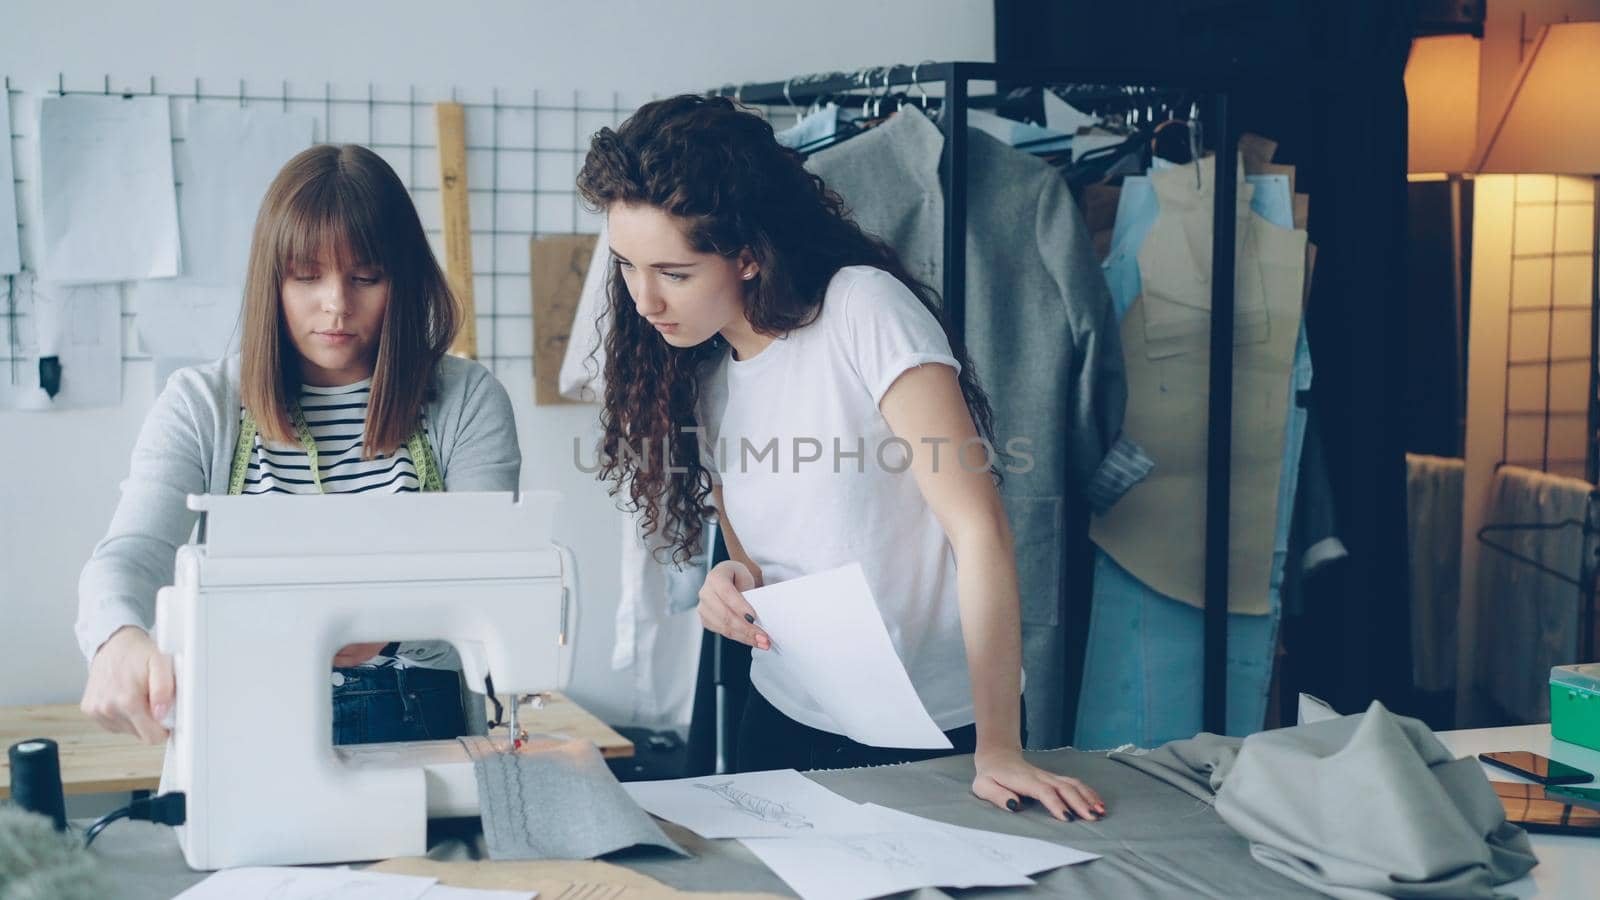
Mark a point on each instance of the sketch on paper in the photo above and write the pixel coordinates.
(759, 807)
(889, 851)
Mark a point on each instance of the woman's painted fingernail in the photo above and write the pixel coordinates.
(749, 618)
(1012, 805)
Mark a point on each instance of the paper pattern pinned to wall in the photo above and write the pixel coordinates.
(78, 326)
(106, 186)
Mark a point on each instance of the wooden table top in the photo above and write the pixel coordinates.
(96, 761)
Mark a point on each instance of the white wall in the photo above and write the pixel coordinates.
(59, 471)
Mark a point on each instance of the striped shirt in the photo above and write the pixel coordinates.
(336, 417)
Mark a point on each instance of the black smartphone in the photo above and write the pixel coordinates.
(1537, 768)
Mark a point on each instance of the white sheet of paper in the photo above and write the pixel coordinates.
(79, 324)
(446, 892)
(106, 187)
(290, 883)
(10, 249)
(827, 634)
(1314, 709)
(1025, 855)
(179, 319)
(1063, 116)
(227, 159)
(781, 803)
(853, 867)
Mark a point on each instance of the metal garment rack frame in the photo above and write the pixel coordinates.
(956, 78)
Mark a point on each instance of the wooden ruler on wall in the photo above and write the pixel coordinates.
(451, 118)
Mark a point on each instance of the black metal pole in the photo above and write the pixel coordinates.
(1458, 288)
(953, 171)
(1219, 438)
(1591, 468)
(1586, 615)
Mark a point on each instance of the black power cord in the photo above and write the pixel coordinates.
(163, 809)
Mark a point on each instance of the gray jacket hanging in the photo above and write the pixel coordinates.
(1043, 339)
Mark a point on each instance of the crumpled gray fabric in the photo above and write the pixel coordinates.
(1357, 807)
(555, 799)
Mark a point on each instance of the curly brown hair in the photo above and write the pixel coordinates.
(719, 169)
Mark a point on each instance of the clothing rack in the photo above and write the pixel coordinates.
(956, 79)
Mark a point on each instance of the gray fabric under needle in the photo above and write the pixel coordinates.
(555, 799)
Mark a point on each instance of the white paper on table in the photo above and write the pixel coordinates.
(81, 325)
(10, 250)
(291, 883)
(1063, 116)
(106, 188)
(852, 867)
(229, 157)
(179, 319)
(828, 635)
(1025, 855)
(781, 803)
(447, 892)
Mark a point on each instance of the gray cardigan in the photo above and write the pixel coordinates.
(186, 447)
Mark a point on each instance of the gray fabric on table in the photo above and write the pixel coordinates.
(1360, 806)
(555, 799)
(1157, 842)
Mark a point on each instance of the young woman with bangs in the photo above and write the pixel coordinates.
(341, 385)
(748, 309)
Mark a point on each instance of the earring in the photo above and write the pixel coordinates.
(749, 275)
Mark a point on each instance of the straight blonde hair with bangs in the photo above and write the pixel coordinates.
(347, 202)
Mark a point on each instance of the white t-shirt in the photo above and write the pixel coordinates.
(784, 428)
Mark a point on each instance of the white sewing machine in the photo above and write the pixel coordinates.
(272, 588)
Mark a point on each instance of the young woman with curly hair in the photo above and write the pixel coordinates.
(753, 328)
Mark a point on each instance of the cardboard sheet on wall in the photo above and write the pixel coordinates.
(557, 267)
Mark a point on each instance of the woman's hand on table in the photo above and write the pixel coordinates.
(1005, 779)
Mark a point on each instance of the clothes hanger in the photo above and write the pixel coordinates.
(1588, 524)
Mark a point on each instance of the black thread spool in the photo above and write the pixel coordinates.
(36, 779)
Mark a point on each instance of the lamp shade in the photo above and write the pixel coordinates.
(1442, 95)
(1550, 123)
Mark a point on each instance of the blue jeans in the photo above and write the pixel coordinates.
(380, 704)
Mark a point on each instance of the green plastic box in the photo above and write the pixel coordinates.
(1575, 704)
